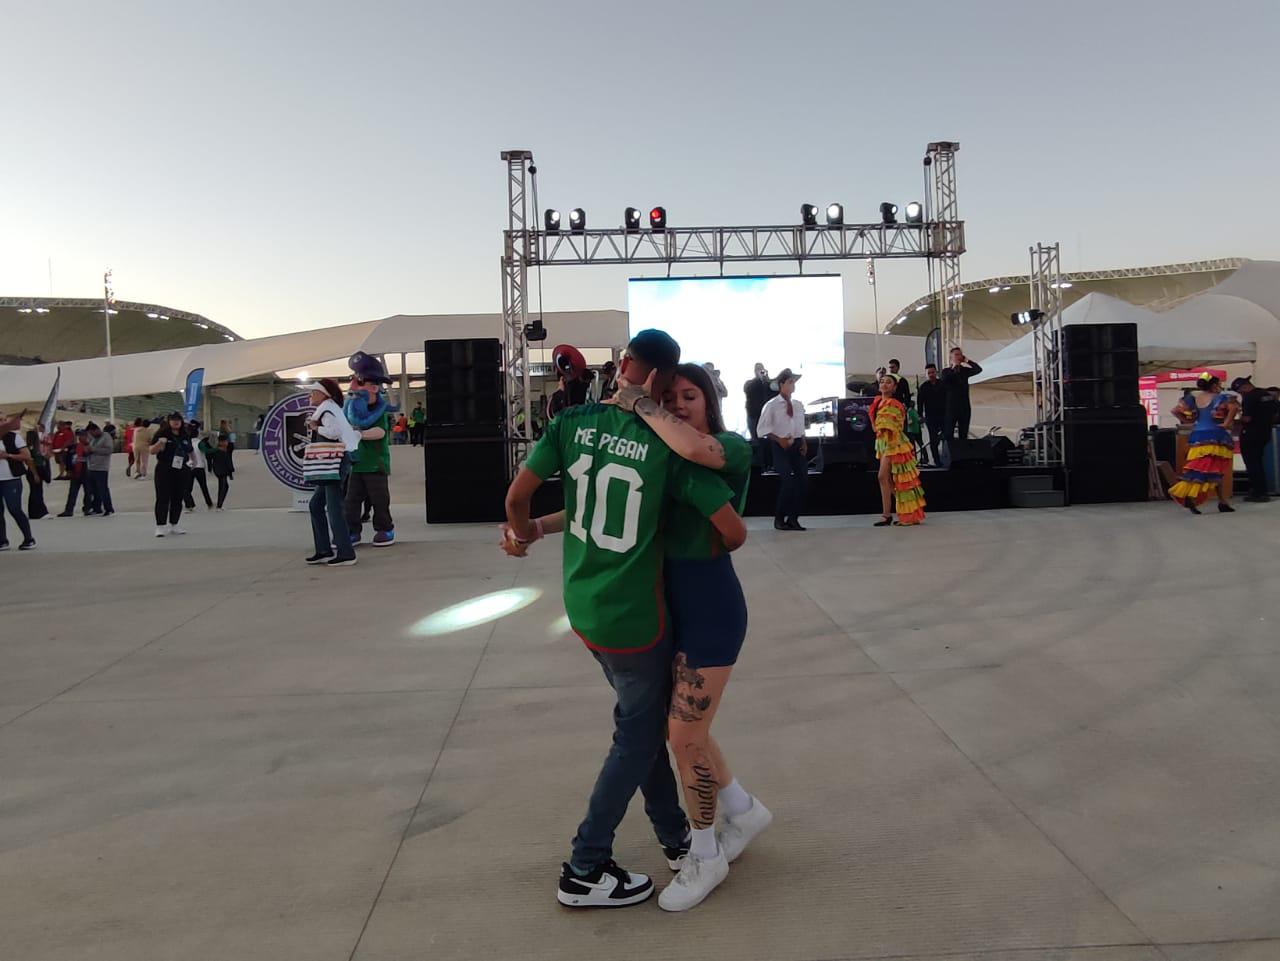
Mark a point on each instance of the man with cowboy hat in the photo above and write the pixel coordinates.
(782, 424)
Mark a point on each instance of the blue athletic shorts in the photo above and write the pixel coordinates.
(708, 610)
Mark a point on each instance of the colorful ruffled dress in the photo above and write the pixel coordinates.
(889, 417)
(1209, 456)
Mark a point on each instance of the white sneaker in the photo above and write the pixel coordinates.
(698, 877)
(737, 832)
(159, 532)
(175, 529)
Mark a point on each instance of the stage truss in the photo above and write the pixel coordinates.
(1046, 334)
(940, 237)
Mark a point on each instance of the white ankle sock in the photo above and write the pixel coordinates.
(703, 843)
(734, 800)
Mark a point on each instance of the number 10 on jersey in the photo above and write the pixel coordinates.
(608, 474)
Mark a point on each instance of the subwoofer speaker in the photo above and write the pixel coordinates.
(958, 454)
(466, 480)
(1106, 455)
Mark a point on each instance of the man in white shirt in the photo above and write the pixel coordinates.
(782, 424)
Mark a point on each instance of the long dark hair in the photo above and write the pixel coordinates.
(700, 379)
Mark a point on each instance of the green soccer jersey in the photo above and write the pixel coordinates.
(618, 477)
(374, 456)
(689, 535)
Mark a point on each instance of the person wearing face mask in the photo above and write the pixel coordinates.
(782, 423)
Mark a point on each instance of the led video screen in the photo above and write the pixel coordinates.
(737, 322)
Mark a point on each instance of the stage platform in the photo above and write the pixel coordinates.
(854, 489)
(844, 489)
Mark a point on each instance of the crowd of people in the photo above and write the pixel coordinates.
(175, 454)
(776, 418)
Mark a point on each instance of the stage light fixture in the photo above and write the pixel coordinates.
(658, 218)
(835, 215)
(888, 213)
(1024, 317)
(809, 215)
(922, 307)
(915, 212)
(577, 220)
(551, 220)
(993, 290)
(42, 310)
(631, 219)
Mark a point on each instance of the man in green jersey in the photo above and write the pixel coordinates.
(618, 477)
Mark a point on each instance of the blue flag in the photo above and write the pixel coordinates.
(191, 398)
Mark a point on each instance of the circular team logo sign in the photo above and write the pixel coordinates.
(285, 437)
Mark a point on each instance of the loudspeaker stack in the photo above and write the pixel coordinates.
(463, 434)
(1105, 425)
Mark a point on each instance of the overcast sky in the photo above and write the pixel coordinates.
(281, 166)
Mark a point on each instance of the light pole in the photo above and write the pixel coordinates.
(109, 298)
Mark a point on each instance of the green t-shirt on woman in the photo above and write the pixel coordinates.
(690, 536)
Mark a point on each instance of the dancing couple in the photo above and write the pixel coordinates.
(654, 488)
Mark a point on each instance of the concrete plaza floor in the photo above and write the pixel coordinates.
(1012, 736)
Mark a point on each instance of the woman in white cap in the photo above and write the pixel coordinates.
(328, 520)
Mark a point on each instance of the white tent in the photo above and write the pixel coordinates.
(166, 370)
(1236, 322)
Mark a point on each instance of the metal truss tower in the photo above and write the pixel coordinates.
(940, 237)
(515, 307)
(947, 239)
(1046, 333)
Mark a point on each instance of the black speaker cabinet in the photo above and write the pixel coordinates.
(1106, 455)
(1100, 392)
(464, 396)
(958, 454)
(1099, 338)
(1100, 365)
(466, 480)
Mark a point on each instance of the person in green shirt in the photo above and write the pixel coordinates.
(416, 419)
(618, 481)
(371, 472)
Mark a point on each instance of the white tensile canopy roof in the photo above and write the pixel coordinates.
(1238, 321)
(166, 370)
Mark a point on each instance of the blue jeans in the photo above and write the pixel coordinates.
(327, 500)
(637, 759)
(11, 493)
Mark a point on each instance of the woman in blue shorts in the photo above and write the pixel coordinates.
(709, 623)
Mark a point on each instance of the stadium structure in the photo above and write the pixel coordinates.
(52, 330)
(989, 303)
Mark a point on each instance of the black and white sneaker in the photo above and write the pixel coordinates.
(675, 856)
(608, 886)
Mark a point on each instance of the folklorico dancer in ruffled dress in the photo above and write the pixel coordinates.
(1212, 449)
(899, 473)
